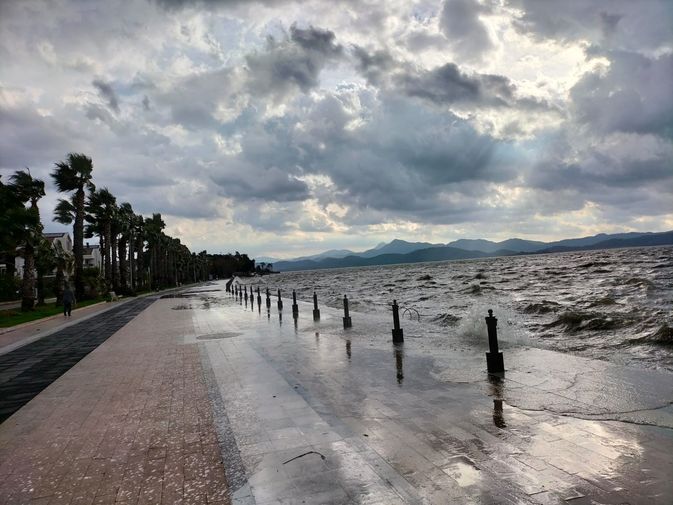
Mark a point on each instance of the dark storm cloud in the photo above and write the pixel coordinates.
(466, 34)
(242, 181)
(403, 160)
(448, 85)
(372, 65)
(292, 63)
(107, 93)
(633, 95)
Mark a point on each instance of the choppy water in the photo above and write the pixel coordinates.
(613, 304)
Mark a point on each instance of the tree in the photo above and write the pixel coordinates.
(125, 218)
(28, 190)
(74, 176)
(45, 262)
(154, 233)
(13, 217)
(64, 263)
(101, 208)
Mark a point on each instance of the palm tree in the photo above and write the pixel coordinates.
(74, 175)
(27, 190)
(154, 232)
(45, 262)
(125, 217)
(101, 207)
(138, 269)
(64, 262)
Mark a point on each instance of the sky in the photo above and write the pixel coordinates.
(285, 128)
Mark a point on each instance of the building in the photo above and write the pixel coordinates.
(92, 256)
(62, 238)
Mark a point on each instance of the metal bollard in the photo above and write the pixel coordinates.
(245, 294)
(316, 310)
(494, 361)
(295, 307)
(398, 333)
(252, 299)
(268, 300)
(347, 318)
(280, 302)
(236, 291)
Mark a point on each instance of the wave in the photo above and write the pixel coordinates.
(603, 302)
(445, 319)
(543, 307)
(662, 336)
(573, 321)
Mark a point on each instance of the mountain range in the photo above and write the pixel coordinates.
(400, 251)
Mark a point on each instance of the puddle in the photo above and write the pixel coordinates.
(463, 471)
(218, 336)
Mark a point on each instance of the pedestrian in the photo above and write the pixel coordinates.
(68, 301)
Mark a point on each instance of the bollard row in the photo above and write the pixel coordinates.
(494, 358)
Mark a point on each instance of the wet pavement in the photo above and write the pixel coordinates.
(312, 413)
(202, 398)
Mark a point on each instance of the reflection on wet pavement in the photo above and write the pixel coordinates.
(404, 424)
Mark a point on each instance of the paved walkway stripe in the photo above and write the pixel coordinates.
(26, 371)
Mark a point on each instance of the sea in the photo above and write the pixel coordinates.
(614, 305)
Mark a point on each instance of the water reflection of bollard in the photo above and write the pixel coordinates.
(245, 294)
(347, 318)
(316, 310)
(498, 417)
(295, 307)
(268, 300)
(399, 365)
(348, 349)
(236, 291)
(259, 297)
(280, 302)
(398, 334)
(252, 299)
(494, 361)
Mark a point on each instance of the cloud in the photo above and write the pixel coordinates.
(632, 95)
(465, 32)
(107, 93)
(447, 85)
(295, 62)
(244, 182)
(618, 24)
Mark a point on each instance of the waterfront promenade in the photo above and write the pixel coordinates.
(203, 399)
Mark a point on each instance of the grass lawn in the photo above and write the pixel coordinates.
(12, 317)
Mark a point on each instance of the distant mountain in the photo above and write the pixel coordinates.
(332, 253)
(595, 239)
(512, 244)
(400, 251)
(396, 247)
(265, 259)
(640, 240)
(441, 253)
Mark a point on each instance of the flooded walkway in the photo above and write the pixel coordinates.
(319, 414)
(204, 399)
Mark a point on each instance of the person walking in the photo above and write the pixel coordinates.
(68, 301)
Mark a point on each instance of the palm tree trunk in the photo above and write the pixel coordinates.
(78, 243)
(115, 267)
(59, 281)
(28, 285)
(123, 271)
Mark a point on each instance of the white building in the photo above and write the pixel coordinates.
(62, 238)
(92, 256)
